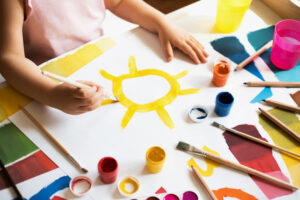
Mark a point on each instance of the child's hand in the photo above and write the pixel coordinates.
(76, 101)
(174, 37)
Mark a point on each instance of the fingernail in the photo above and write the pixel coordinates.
(169, 59)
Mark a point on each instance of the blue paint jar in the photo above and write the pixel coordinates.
(224, 103)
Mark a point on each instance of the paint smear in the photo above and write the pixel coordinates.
(157, 105)
(59, 184)
(257, 157)
(260, 37)
(296, 97)
(281, 139)
(34, 165)
(235, 193)
(210, 164)
(14, 144)
(161, 190)
(232, 48)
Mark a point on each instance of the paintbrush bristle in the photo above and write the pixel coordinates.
(84, 170)
(183, 146)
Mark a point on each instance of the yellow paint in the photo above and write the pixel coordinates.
(157, 105)
(210, 164)
(155, 158)
(129, 181)
(10, 99)
(281, 139)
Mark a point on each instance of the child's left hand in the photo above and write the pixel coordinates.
(172, 36)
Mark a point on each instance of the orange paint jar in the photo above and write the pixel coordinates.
(221, 73)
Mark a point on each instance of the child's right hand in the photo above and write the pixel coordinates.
(76, 101)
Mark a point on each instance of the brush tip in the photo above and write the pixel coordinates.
(216, 124)
(84, 170)
(182, 146)
(263, 100)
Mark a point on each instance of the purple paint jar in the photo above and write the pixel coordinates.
(189, 195)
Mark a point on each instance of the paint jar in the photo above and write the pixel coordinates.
(221, 73)
(108, 170)
(155, 158)
(224, 101)
(285, 53)
(80, 185)
(230, 14)
(128, 186)
(198, 113)
(171, 197)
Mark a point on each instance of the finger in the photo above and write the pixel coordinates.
(200, 46)
(91, 107)
(190, 52)
(198, 51)
(98, 96)
(85, 93)
(167, 47)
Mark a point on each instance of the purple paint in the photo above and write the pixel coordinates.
(189, 195)
(171, 197)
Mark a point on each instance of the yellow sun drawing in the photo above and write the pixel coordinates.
(157, 105)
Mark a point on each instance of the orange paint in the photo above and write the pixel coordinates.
(231, 192)
(221, 73)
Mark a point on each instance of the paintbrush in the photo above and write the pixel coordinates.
(60, 146)
(254, 139)
(11, 182)
(204, 154)
(75, 84)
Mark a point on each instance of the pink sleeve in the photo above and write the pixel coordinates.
(28, 8)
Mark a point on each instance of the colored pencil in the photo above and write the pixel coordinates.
(11, 182)
(282, 105)
(48, 134)
(253, 56)
(280, 124)
(204, 154)
(254, 139)
(74, 83)
(272, 84)
(201, 180)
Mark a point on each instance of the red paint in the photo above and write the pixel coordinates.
(108, 169)
(57, 198)
(32, 166)
(161, 190)
(78, 179)
(257, 157)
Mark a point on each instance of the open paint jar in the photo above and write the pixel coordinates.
(155, 158)
(221, 73)
(80, 185)
(198, 113)
(108, 169)
(128, 186)
(188, 195)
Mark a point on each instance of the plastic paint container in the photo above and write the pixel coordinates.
(108, 169)
(221, 73)
(230, 14)
(152, 198)
(155, 158)
(285, 53)
(189, 195)
(80, 185)
(171, 197)
(224, 101)
(198, 113)
(128, 186)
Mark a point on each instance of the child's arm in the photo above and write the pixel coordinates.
(25, 76)
(139, 12)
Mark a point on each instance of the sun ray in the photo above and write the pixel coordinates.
(128, 115)
(189, 91)
(107, 75)
(181, 74)
(107, 102)
(132, 65)
(165, 117)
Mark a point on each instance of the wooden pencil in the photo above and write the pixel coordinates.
(282, 105)
(280, 124)
(272, 84)
(254, 139)
(253, 56)
(11, 182)
(60, 146)
(201, 180)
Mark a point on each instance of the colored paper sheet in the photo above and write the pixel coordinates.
(257, 157)
(296, 97)
(14, 144)
(34, 165)
(57, 198)
(281, 139)
(161, 190)
(260, 37)
(264, 94)
(231, 192)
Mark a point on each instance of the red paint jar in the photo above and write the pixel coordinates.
(108, 169)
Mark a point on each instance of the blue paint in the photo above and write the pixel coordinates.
(224, 103)
(264, 94)
(260, 37)
(45, 193)
(232, 48)
(201, 111)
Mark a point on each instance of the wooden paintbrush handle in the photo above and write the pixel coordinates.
(283, 106)
(280, 124)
